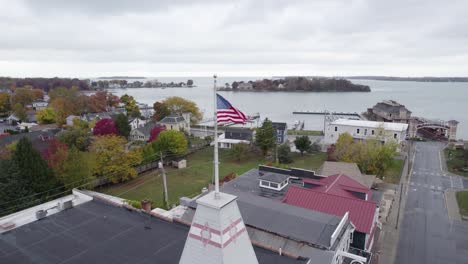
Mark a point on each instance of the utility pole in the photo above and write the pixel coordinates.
(161, 166)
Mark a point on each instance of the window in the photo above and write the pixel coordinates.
(274, 185)
(395, 135)
(373, 132)
(365, 131)
(265, 183)
(357, 131)
(336, 129)
(171, 127)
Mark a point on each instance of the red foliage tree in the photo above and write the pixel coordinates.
(55, 152)
(155, 131)
(331, 153)
(105, 126)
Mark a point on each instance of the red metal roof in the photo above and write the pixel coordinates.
(339, 184)
(361, 213)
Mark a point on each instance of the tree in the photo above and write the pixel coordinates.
(130, 105)
(465, 156)
(265, 138)
(46, 116)
(75, 169)
(284, 153)
(180, 105)
(12, 189)
(55, 153)
(20, 112)
(189, 82)
(171, 142)
(344, 150)
(155, 131)
(123, 127)
(105, 126)
(303, 144)
(238, 151)
(32, 174)
(62, 107)
(75, 136)
(23, 96)
(5, 105)
(160, 111)
(112, 161)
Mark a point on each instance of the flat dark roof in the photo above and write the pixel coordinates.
(273, 177)
(97, 232)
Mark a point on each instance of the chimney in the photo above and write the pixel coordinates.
(146, 205)
(218, 233)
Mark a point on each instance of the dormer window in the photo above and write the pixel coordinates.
(273, 181)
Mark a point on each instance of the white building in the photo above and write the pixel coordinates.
(363, 129)
(137, 123)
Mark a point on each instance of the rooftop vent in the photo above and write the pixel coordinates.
(41, 214)
(65, 205)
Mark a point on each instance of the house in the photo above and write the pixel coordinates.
(177, 122)
(246, 86)
(320, 237)
(136, 122)
(349, 169)
(88, 227)
(280, 132)
(363, 129)
(338, 195)
(70, 118)
(96, 116)
(389, 111)
(233, 136)
(39, 105)
(142, 133)
(12, 120)
(39, 139)
(179, 163)
(146, 111)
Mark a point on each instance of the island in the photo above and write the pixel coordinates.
(410, 79)
(296, 84)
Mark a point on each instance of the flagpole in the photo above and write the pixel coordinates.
(216, 162)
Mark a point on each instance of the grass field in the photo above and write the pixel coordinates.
(393, 173)
(305, 132)
(462, 199)
(198, 174)
(455, 161)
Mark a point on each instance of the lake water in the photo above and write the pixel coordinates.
(430, 100)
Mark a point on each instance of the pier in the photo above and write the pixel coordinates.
(326, 113)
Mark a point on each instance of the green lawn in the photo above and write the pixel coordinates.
(455, 162)
(462, 199)
(393, 173)
(305, 132)
(198, 174)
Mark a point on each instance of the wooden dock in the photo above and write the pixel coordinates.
(326, 113)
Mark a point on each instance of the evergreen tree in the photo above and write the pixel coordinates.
(284, 153)
(121, 122)
(28, 166)
(265, 138)
(303, 144)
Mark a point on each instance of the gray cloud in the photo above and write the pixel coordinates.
(329, 37)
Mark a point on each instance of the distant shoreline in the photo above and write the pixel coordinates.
(287, 91)
(409, 79)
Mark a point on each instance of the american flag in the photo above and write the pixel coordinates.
(227, 113)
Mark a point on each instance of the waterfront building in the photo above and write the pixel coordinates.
(389, 111)
(363, 129)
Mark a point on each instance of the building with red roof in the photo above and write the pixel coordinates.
(337, 195)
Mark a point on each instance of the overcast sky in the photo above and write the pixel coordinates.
(90, 38)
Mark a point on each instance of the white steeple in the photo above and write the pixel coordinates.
(218, 234)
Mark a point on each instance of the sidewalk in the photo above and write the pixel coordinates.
(452, 205)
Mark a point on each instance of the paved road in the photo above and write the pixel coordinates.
(427, 235)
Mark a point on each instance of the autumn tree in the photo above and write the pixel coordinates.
(20, 112)
(75, 168)
(105, 126)
(180, 105)
(55, 153)
(160, 111)
(130, 105)
(112, 161)
(23, 96)
(171, 142)
(76, 136)
(5, 105)
(46, 116)
(303, 144)
(344, 148)
(155, 131)
(123, 127)
(265, 138)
